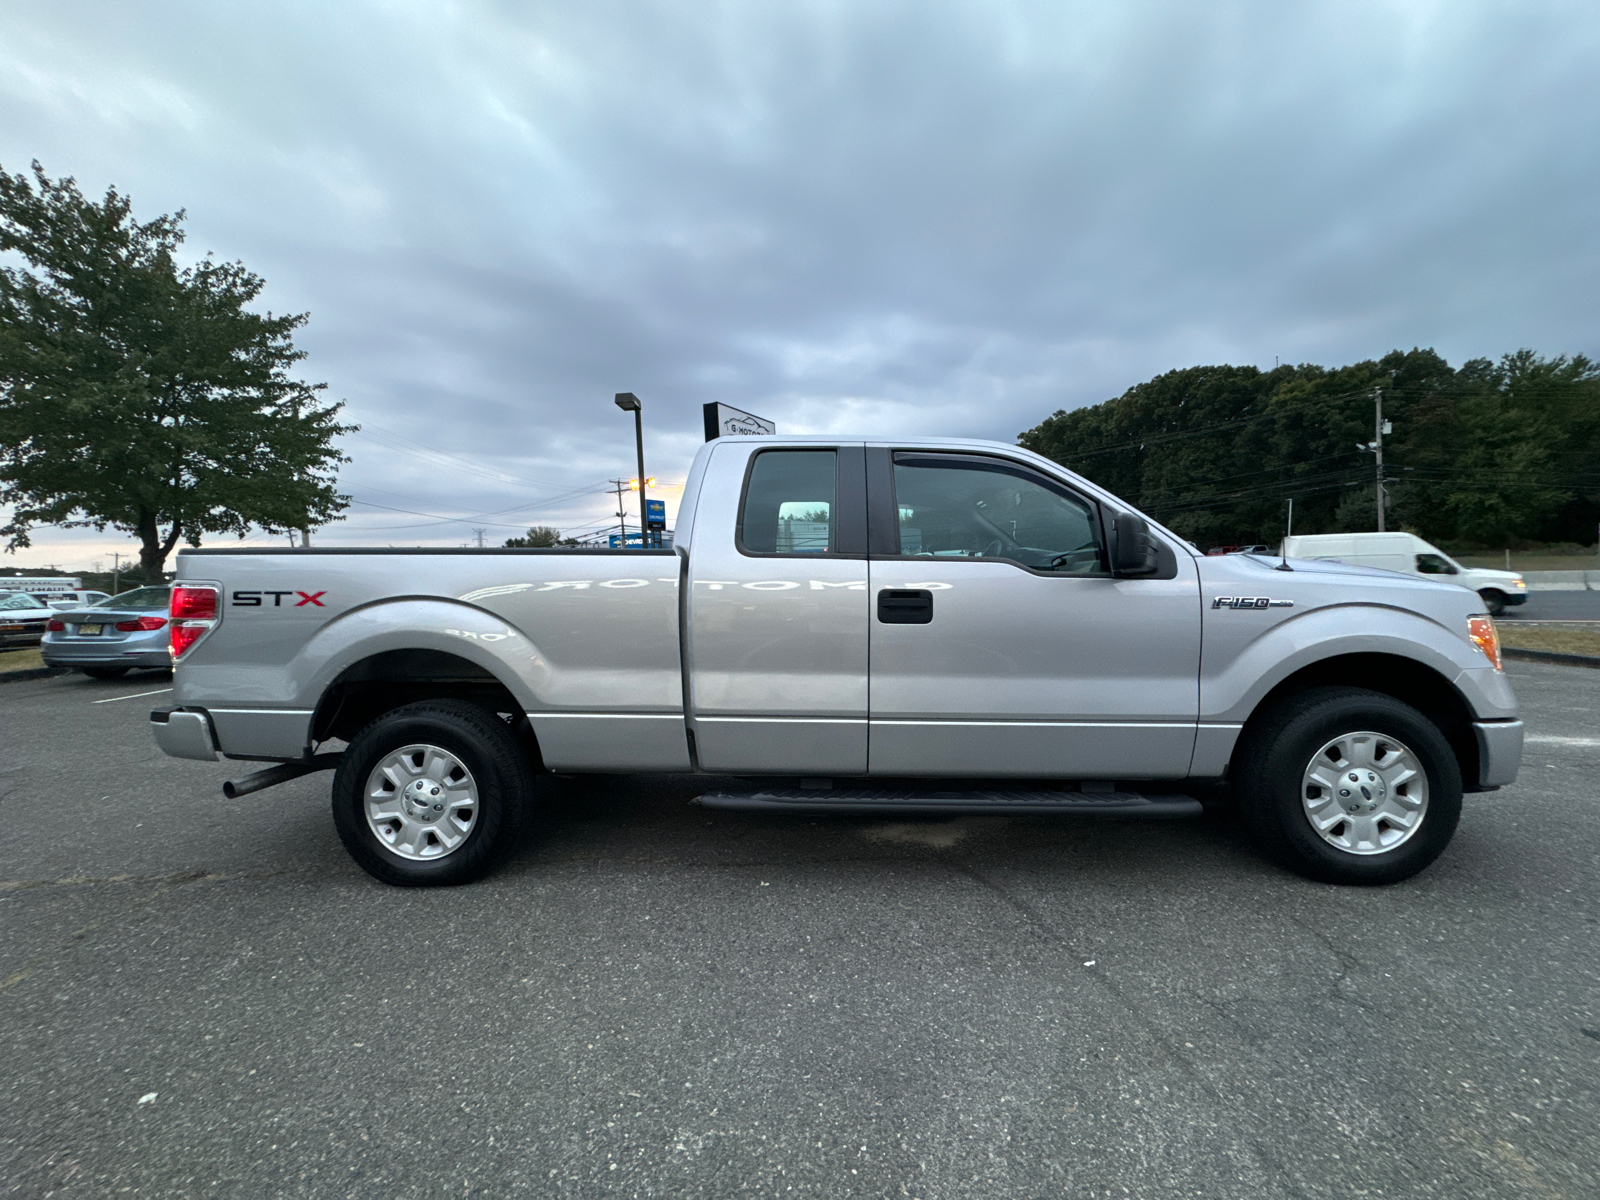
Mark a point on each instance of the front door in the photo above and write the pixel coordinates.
(776, 612)
(1001, 644)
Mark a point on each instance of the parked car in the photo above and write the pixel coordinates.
(850, 614)
(112, 637)
(23, 617)
(1408, 553)
(78, 599)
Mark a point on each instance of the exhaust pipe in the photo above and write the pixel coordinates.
(281, 773)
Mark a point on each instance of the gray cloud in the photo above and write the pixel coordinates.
(946, 219)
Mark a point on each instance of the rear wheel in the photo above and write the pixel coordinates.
(104, 672)
(431, 794)
(1346, 785)
(1494, 601)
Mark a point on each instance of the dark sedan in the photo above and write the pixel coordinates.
(23, 618)
(112, 637)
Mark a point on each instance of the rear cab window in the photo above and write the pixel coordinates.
(791, 504)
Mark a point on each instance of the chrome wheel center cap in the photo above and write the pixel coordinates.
(1362, 791)
(423, 800)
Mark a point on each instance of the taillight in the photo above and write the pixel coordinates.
(141, 625)
(194, 603)
(194, 614)
(1482, 634)
(56, 626)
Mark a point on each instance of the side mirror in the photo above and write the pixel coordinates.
(1132, 550)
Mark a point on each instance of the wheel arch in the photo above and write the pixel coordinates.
(1405, 679)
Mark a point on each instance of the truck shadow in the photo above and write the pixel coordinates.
(650, 818)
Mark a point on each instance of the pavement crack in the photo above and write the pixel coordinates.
(1043, 927)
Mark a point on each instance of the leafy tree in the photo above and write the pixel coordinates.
(539, 535)
(143, 395)
(1487, 454)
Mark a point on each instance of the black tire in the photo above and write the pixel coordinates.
(105, 672)
(489, 749)
(1278, 746)
(1494, 601)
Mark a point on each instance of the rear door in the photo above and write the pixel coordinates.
(776, 611)
(1001, 645)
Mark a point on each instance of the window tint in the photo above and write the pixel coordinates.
(1434, 564)
(152, 598)
(954, 508)
(789, 505)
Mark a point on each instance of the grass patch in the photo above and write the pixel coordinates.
(29, 659)
(1560, 639)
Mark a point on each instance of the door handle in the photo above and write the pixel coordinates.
(905, 606)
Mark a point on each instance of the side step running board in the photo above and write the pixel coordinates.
(868, 800)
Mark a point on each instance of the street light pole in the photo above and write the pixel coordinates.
(628, 402)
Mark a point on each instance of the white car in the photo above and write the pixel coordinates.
(1408, 553)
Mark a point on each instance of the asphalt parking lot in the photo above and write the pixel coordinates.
(201, 997)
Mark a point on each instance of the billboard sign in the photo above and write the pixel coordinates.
(723, 420)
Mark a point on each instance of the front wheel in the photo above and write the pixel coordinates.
(431, 794)
(1494, 601)
(1346, 785)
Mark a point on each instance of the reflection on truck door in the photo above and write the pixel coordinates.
(1036, 662)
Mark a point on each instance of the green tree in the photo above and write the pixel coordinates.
(143, 395)
(539, 535)
(1491, 453)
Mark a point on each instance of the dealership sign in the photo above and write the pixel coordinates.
(723, 420)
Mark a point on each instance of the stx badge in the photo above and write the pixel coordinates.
(1250, 602)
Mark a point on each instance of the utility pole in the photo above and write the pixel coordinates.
(619, 486)
(116, 570)
(1375, 447)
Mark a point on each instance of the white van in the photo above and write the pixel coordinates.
(1408, 553)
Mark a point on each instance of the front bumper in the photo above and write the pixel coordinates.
(1499, 752)
(1512, 599)
(184, 734)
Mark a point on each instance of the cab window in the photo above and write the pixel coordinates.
(952, 506)
(1435, 564)
(790, 505)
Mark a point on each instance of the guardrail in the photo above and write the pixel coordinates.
(1562, 581)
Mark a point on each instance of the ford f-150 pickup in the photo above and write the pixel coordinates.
(852, 625)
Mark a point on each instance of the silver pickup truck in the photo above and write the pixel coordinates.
(852, 625)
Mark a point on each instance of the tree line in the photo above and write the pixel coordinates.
(1490, 454)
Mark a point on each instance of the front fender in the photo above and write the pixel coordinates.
(1239, 666)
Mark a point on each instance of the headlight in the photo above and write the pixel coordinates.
(1521, 583)
(1482, 634)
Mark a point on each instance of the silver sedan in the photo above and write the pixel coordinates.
(112, 637)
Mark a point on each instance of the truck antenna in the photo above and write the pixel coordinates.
(1283, 546)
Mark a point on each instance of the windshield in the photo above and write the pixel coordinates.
(20, 600)
(153, 599)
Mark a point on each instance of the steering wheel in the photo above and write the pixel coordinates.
(993, 550)
(1083, 556)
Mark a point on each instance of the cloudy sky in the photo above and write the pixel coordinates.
(931, 217)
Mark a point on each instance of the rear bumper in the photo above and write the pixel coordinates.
(184, 734)
(1499, 752)
(86, 654)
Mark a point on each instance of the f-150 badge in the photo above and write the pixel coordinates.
(1250, 602)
